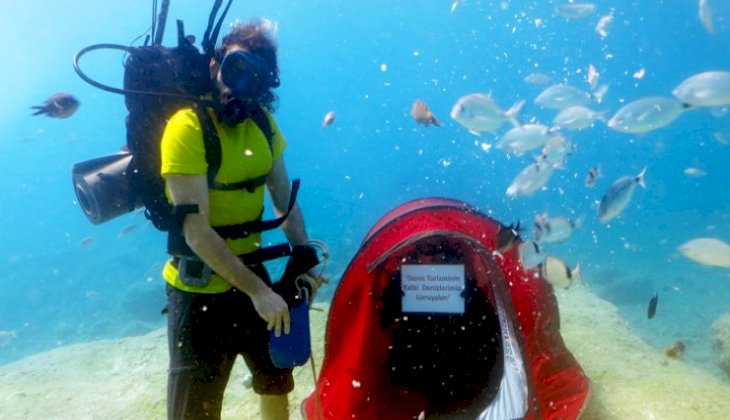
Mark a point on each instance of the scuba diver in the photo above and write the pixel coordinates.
(220, 301)
(202, 147)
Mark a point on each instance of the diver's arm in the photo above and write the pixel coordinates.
(280, 189)
(211, 248)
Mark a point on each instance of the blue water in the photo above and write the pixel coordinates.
(368, 61)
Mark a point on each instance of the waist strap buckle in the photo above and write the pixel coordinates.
(193, 271)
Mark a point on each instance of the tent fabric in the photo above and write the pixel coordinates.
(354, 381)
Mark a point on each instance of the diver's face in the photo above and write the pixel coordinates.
(215, 70)
(239, 74)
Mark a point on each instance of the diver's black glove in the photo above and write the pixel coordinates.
(303, 258)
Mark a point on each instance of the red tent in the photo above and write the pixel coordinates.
(534, 375)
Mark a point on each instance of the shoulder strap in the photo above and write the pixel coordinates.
(211, 142)
(258, 115)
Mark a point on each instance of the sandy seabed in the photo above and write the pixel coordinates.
(126, 378)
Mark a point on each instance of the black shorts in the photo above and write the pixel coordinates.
(206, 332)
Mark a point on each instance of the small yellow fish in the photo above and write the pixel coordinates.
(422, 114)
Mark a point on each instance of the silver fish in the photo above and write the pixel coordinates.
(561, 96)
(618, 196)
(6, 337)
(694, 172)
(646, 114)
(575, 10)
(556, 271)
(537, 79)
(477, 112)
(710, 88)
(707, 251)
(719, 111)
(593, 76)
(603, 25)
(531, 254)
(521, 139)
(530, 179)
(328, 119)
(556, 150)
(721, 138)
(706, 16)
(60, 105)
(576, 118)
(554, 229)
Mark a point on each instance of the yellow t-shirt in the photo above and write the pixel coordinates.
(245, 155)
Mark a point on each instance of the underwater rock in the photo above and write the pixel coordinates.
(720, 335)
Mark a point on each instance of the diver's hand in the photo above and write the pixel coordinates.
(273, 309)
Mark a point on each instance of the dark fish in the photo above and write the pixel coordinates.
(60, 105)
(86, 242)
(507, 235)
(676, 350)
(652, 306)
(593, 174)
(129, 229)
(422, 114)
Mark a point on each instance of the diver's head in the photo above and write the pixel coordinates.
(245, 66)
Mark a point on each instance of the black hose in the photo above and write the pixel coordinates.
(217, 29)
(153, 29)
(88, 79)
(107, 88)
(161, 21)
(211, 22)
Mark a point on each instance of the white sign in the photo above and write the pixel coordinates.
(433, 288)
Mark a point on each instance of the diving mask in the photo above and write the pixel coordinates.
(246, 73)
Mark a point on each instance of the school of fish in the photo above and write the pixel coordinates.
(549, 146)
